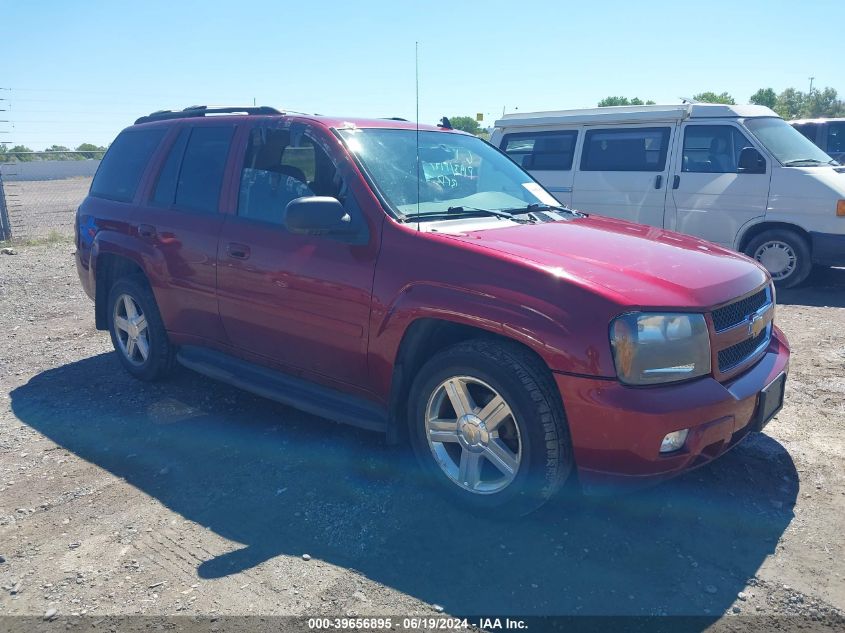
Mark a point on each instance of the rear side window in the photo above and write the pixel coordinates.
(201, 173)
(541, 150)
(625, 149)
(836, 138)
(123, 165)
(165, 191)
(713, 149)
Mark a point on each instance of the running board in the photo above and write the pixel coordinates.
(295, 392)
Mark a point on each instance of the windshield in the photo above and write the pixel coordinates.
(457, 172)
(786, 143)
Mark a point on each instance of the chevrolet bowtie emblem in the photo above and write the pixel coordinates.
(755, 324)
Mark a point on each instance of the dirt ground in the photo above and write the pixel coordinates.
(119, 497)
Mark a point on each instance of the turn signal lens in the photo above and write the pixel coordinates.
(840, 208)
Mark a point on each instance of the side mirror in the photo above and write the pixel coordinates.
(751, 162)
(317, 215)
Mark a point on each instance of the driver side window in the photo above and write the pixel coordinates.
(280, 166)
(713, 149)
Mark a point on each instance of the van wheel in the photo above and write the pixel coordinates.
(785, 254)
(487, 426)
(137, 331)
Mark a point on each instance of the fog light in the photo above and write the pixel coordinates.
(674, 441)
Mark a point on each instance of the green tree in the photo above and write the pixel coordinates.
(623, 101)
(89, 150)
(712, 97)
(764, 97)
(791, 103)
(823, 103)
(19, 153)
(59, 152)
(466, 124)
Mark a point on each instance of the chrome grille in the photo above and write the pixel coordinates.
(732, 356)
(735, 313)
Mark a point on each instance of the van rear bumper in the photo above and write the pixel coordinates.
(828, 249)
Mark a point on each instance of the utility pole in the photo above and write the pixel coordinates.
(811, 84)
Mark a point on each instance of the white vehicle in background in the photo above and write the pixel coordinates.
(739, 176)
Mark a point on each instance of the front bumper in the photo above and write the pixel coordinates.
(617, 430)
(828, 249)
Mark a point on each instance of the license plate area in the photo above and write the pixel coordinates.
(769, 402)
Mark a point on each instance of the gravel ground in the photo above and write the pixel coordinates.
(118, 497)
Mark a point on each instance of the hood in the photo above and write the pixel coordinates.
(641, 265)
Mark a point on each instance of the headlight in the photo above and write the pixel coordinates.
(653, 348)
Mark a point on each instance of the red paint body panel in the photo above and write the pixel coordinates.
(301, 302)
(617, 430)
(337, 313)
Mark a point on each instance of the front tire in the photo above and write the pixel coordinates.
(137, 331)
(784, 253)
(487, 425)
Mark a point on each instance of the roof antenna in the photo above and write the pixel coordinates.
(417, 79)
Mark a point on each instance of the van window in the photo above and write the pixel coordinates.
(836, 137)
(123, 165)
(201, 175)
(541, 150)
(280, 166)
(625, 149)
(810, 130)
(712, 149)
(165, 191)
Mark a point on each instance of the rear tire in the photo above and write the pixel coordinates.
(487, 425)
(784, 253)
(137, 331)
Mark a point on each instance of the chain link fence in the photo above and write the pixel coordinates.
(40, 191)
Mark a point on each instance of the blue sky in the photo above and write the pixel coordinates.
(81, 71)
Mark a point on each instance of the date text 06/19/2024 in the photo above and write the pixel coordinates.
(414, 623)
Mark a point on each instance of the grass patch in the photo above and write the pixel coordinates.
(53, 237)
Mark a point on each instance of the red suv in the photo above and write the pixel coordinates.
(416, 282)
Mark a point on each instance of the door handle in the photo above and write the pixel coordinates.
(238, 251)
(658, 181)
(147, 231)
(676, 182)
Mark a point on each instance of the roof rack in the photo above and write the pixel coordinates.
(202, 110)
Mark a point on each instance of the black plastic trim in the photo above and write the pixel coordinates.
(197, 111)
(828, 248)
(295, 392)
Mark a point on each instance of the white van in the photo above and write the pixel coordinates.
(739, 176)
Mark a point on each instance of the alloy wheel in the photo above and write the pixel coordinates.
(473, 435)
(130, 326)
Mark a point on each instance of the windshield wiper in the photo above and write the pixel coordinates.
(812, 161)
(538, 206)
(496, 213)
